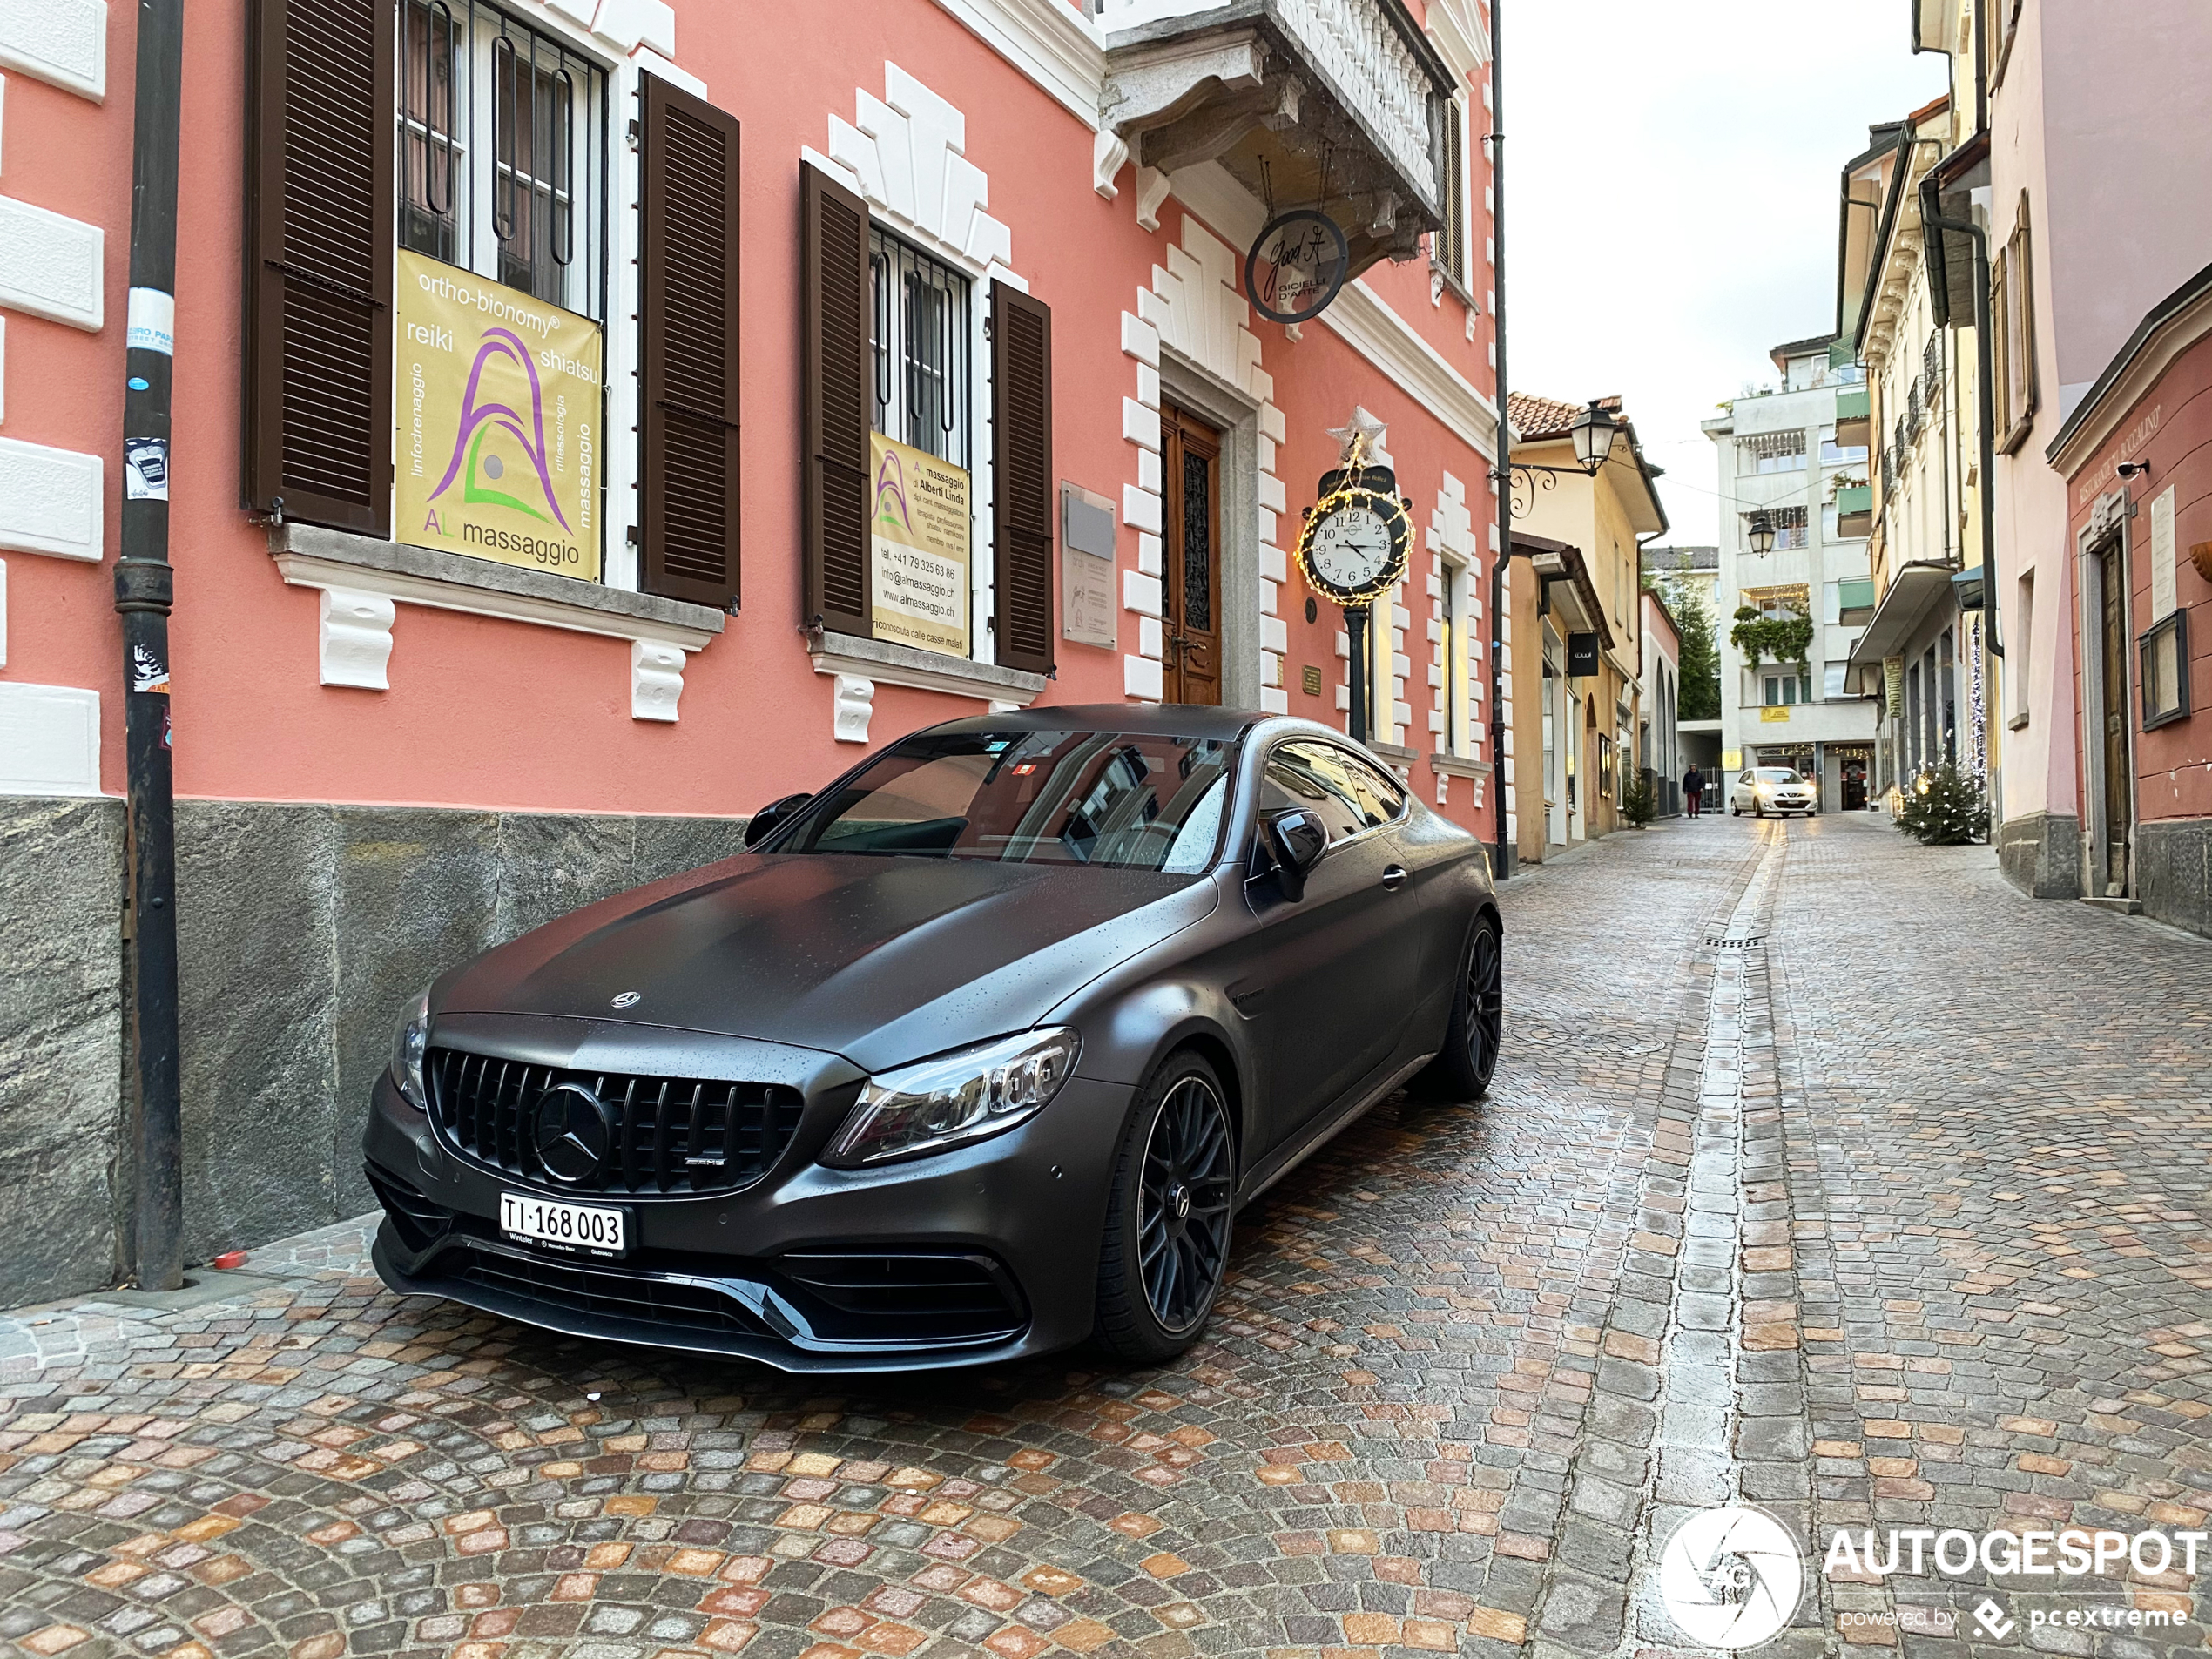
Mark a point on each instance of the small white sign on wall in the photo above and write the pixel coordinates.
(2162, 598)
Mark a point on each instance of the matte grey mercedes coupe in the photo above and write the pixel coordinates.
(974, 1054)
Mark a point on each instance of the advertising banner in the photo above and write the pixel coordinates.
(498, 405)
(918, 538)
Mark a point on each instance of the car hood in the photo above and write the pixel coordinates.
(882, 960)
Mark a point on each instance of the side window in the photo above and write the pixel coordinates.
(1381, 800)
(1306, 774)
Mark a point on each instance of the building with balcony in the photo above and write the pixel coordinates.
(1921, 656)
(439, 672)
(1788, 552)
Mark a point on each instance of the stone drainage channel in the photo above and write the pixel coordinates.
(1700, 1397)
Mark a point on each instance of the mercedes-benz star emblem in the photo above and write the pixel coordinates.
(571, 1134)
(626, 999)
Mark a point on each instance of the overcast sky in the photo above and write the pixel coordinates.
(1671, 178)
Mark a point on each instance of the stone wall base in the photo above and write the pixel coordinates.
(302, 930)
(2174, 872)
(2040, 854)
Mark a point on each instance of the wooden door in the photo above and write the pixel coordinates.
(2118, 782)
(1191, 476)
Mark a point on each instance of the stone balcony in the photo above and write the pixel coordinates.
(1335, 104)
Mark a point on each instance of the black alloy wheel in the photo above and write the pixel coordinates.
(1182, 1205)
(1462, 1071)
(1167, 1220)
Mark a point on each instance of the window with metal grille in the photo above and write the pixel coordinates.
(1789, 527)
(919, 348)
(1932, 369)
(501, 165)
(1774, 451)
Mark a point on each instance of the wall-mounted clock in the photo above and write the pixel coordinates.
(1354, 543)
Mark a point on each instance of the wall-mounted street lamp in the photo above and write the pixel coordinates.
(1592, 436)
(1761, 532)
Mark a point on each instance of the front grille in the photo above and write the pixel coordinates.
(608, 1293)
(667, 1135)
(902, 1296)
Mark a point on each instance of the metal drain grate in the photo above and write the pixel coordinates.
(1720, 941)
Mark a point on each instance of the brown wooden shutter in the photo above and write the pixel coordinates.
(1022, 475)
(319, 240)
(837, 406)
(688, 458)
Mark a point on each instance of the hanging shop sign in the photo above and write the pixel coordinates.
(918, 544)
(1581, 655)
(1296, 266)
(498, 406)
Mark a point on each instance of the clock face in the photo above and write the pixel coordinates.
(1350, 548)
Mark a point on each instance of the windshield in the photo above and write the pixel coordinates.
(1779, 775)
(1126, 800)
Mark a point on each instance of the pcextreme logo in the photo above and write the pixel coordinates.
(1731, 1578)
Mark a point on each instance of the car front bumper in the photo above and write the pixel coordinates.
(986, 1253)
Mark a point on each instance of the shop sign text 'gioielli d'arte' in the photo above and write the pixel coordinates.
(1296, 266)
(498, 406)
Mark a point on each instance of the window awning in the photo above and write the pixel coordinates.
(1912, 593)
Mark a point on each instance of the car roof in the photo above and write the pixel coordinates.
(1169, 719)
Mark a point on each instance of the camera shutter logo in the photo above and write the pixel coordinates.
(1731, 1578)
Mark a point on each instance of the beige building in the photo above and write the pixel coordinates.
(1573, 602)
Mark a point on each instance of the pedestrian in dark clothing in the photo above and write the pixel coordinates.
(1693, 789)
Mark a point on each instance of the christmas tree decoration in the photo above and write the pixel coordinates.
(1944, 807)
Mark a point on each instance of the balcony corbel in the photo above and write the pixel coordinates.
(1334, 104)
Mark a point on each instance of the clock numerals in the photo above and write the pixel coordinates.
(1355, 548)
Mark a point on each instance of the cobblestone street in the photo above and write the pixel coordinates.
(1822, 1171)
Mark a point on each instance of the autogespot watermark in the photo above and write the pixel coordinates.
(1732, 1577)
(2073, 1552)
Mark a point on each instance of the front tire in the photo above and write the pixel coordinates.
(1166, 1248)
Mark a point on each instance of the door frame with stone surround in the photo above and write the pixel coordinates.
(2103, 551)
(1237, 597)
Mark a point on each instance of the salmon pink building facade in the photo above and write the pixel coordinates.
(595, 419)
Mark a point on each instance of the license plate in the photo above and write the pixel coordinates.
(596, 1227)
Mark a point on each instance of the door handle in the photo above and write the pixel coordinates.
(1394, 877)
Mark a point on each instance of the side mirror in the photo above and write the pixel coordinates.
(1295, 839)
(772, 818)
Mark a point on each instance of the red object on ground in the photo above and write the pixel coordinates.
(229, 1258)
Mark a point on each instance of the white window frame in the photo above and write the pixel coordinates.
(1458, 676)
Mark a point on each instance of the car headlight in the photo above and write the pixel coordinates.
(955, 1099)
(408, 1044)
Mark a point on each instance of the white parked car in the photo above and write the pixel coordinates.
(1779, 790)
